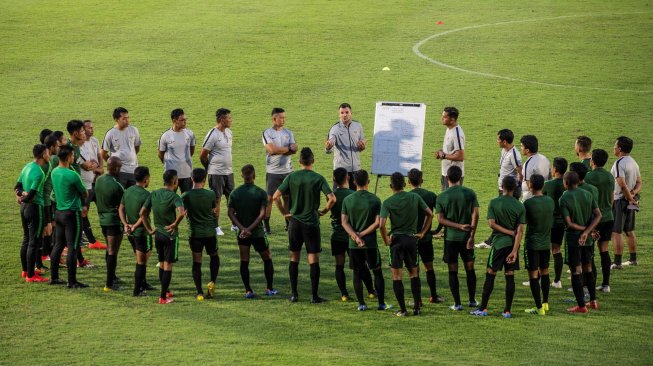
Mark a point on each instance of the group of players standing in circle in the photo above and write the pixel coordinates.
(55, 191)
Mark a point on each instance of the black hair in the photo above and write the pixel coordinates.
(199, 175)
(585, 143)
(361, 178)
(537, 182)
(451, 112)
(51, 140)
(176, 113)
(169, 176)
(415, 177)
(506, 135)
(625, 144)
(74, 125)
(141, 173)
(248, 171)
(345, 105)
(277, 110)
(64, 152)
(397, 181)
(509, 183)
(560, 164)
(454, 173)
(119, 112)
(599, 157)
(578, 168)
(221, 112)
(530, 143)
(58, 134)
(306, 156)
(38, 150)
(44, 134)
(571, 179)
(340, 176)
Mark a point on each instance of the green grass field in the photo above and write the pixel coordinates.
(67, 59)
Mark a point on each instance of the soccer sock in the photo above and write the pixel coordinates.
(358, 287)
(535, 291)
(471, 284)
(605, 268)
(197, 276)
(545, 283)
(430, 279)
(633, 257)
(315, 278)
(244, 274)
(268, 270)
(293, 273)
(488, 287)
(111, 269)
(341, 279)
(214, 266)
(590, 281)
(510, 292)
(161, 273)
(416, 289)
(557, 266)
(454, 286)
(139, 277)
(379, 283)
(366, 277)
(617, 259)
(398, 287)
(166, 277)
(577, 285)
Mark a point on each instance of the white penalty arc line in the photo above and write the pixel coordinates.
(419, 44)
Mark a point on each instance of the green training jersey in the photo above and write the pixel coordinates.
(587, 164)
(539, 221)
(134, 198)
(247, 202)
(33, 178)
(429, 198)
(577, 204)
(76, 166)
(362, 208)
(163, 203)
(200, 206)
(68, 188)
(603, 180)
(338, 232)
(304, 187)
(554, 188)
(508, 212)
(456, 204)
(108, 195)
(402, 209)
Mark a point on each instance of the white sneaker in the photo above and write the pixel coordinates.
(616, 266)
(568, 271)
(482, 245)
(629, 263)
(603, 288)
(218, 231)
(556, 284)
(234, 228)
(526, 283)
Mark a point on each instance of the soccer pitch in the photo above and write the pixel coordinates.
(553, 69)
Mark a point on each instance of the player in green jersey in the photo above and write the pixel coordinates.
(554, 189)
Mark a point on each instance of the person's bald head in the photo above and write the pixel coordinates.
(113, 165)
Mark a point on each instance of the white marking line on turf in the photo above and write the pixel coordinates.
(489, 75)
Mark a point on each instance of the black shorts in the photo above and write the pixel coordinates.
(339, 247)
(360, 257)
(167, 248)
(425, 251)
(453, 248)
(605, 230)
(557, 234)
(260, 244)
(111, 230)
(273, 181)
(403, 250)
(210, 244)
(185, 184)
(624, 219)
(576, 255)
(126, 179)
(498, 259)
(141, 243)
(68, 228)
(536, 259)
(221, 184)
(300, 233)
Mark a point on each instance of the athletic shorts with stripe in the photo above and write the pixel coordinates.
(209, 244)
(260, 244)
(141, 243)
(498, 259)
(536, 259)
(167, 248)
(403, 250)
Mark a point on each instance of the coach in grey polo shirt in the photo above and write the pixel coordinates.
(123, 141)
(176, 149)
(535, 163)
(346, 141)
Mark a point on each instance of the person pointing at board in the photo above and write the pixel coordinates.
(346, 140)
(453, 147)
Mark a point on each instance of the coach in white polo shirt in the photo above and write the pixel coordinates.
(535, 163)
(176, 149)
(453, 147)
(279, 144)
(628, 184)
(216, 158)
(346, 141)
(123, 141)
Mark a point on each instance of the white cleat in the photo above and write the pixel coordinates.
(218, 231)
(556, 284)
(482, 245)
